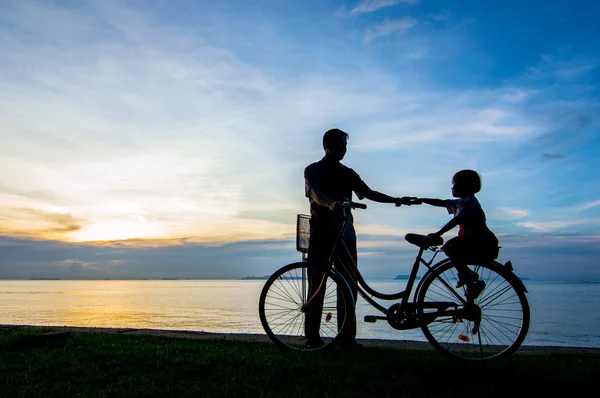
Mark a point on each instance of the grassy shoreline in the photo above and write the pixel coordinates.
(190, 334)
(113, 364)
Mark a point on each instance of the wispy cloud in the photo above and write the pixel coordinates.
(588, 205)
(551, 226)
(52, 222)
(122, 125)
(390, 26)
(74, 263)
(440, 16)
(381, 257)
(551, 156)
(182, 150)
(367, 6)
(506, 213)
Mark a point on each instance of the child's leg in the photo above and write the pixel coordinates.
(465, 275)
(457, 251)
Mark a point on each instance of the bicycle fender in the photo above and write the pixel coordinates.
(509, 267)
(518, 282)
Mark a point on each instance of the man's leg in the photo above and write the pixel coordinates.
(319, 248)
(314, 311)
(348, 256)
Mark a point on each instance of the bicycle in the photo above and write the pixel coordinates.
(490, 327)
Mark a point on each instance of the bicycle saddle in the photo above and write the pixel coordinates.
(424, 241)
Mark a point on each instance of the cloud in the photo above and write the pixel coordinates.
(185, 148)
(25, 258)
(74, 263)
(558, 225)
(52, 222)
(367, 6)
(588, 205)
(143, 128)
(381, 257)
(460, 117)
(63, 222)
(551, 156)
(388, 27)
(572, 72)
(506, 213)
(557, 66)
(440, 16)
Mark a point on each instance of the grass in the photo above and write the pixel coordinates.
(103, 365)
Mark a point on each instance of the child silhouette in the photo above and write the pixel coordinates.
(475, 242)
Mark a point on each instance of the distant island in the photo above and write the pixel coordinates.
(44, 279)
(264, 278)
(403, 277)
(253, 278)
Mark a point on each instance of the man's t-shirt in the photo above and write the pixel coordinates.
(333, 180)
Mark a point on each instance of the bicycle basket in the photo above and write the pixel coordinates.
(302, 232)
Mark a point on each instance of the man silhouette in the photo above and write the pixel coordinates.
(328, 183)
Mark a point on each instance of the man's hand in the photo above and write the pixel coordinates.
(337, 205)
(407, 200)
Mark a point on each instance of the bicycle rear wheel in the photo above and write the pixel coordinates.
(283, 307)
(492, 327)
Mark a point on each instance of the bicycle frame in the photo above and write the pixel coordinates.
(488, 324)
(363, 288)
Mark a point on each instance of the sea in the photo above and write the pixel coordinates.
(562, 313)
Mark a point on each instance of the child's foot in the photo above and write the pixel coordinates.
(466, 279)
(474, 289)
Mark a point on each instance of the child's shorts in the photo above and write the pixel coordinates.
(470, 251)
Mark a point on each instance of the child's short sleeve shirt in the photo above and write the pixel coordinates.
(466, 210)
(470, 216)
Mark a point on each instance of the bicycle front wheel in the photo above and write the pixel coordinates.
(286, 302)
(492, 327)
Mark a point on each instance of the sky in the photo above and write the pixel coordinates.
(168, 139)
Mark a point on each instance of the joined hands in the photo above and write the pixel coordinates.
(408, 201)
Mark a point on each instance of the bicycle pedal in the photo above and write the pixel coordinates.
(370, 318)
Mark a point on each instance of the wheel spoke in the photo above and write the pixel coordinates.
(504, 319)
(282, 305)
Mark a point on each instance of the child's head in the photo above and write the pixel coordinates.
(465, 182)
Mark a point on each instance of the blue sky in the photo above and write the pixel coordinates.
(168, 138)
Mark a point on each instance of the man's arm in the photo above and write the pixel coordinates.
(312, 187)
(320, 197)
(364, 190)
(433, 202)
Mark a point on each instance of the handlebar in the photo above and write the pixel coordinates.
(354, 205)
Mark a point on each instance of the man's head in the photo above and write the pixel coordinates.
(335, 144)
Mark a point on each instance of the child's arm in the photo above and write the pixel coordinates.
(451, 224)
(433, 202)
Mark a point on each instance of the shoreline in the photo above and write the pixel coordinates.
(190, 334)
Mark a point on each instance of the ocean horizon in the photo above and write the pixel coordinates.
(265, 277)
(563, 313)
